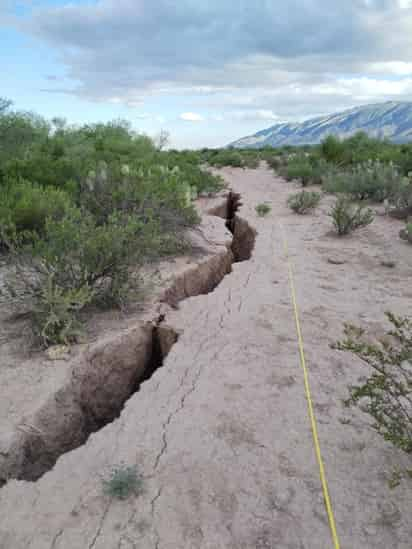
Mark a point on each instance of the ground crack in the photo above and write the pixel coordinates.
(99, 529)
(56, 537)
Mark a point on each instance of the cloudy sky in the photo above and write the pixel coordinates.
(208, 71)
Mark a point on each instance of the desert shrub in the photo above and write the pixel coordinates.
(262, 209)
(123, 482)
(373, 180)
(401, 200)
(303, 201)
(386, 394)
(79, 262)
(308, 169)
(359, 148)
(76, 263)
(274, 161)
(347, 216)
(227, 157)
(140, 190)
(332, 149)
(24, 209)
(320, 168)
(56, 310)
(299, 169)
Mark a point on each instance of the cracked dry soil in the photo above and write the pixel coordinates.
(220, 433)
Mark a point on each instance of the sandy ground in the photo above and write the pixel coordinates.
(221, 433)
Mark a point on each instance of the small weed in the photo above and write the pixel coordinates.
(123, 482)
(395, 479)
(263, 209)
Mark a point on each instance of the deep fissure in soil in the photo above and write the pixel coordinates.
(40, 455)
(244, 235)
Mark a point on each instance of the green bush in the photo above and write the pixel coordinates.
(78, 262)
(332, 149)
(237, 158)
(309, 169)
(386, 394)
(227, 157)
(347, 216)
(299, 169)
(401, 200)
(320, 168)
(374, 181)
(24, 209)
(56, 310)
(275, 162)
(303, 202)
(359, 148)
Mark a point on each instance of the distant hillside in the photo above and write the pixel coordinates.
(391, 120)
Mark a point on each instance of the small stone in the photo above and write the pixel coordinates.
(58, 352)
(370, 530)
(336, 260)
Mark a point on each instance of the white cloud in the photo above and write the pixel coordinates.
(191, 117)
(258, 114)
(397, 68)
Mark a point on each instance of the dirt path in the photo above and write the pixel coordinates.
(221, 432)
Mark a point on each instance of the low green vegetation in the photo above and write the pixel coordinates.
(243, 158)
(308, 170)
(347, 216)
(373, 180)
(360, 168)
(82, 209)
(303, 201)
(123, 482)
(263, 209)
(385, 393)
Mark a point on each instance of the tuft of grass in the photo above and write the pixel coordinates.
(263, 209)
(123, 482)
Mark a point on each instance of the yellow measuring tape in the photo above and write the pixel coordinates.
(312, 417)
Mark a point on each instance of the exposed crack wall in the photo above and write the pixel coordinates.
(105, 376)
(244, 235)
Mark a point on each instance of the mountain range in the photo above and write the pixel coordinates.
(391, 120)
